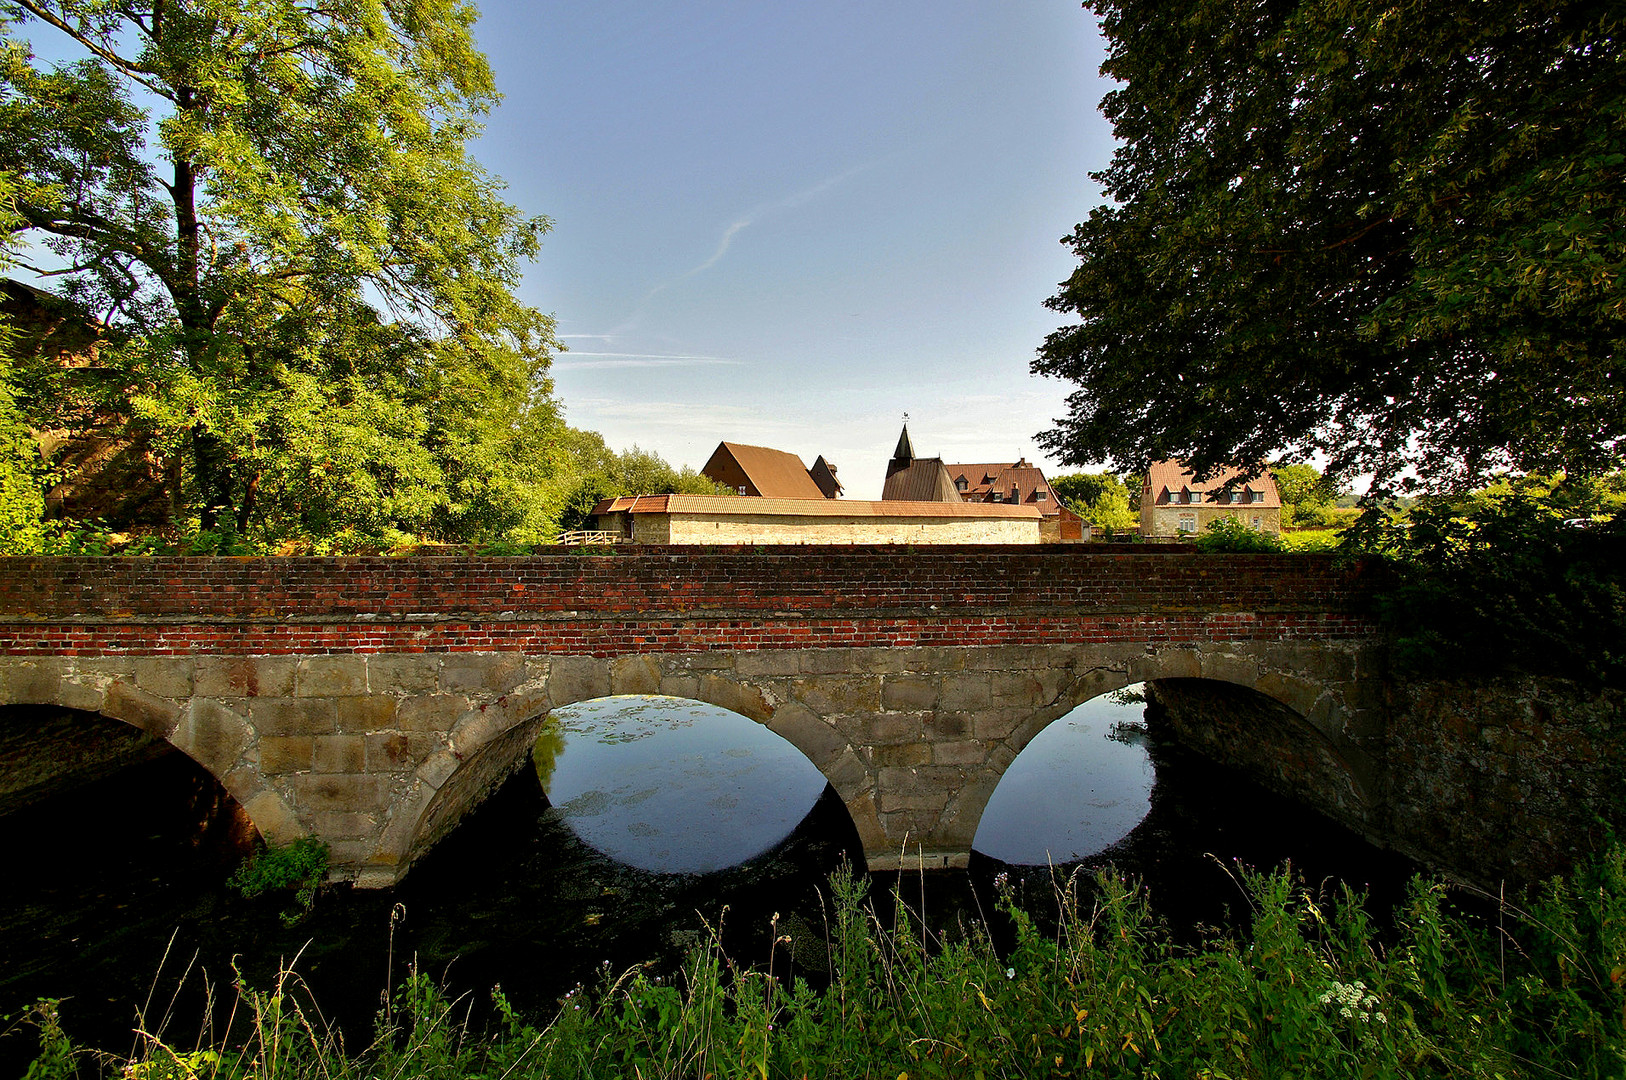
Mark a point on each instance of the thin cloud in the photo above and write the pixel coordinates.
(734, 228)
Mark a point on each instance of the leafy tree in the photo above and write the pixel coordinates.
(305, 283)
(1391, 235)
(1102, 499)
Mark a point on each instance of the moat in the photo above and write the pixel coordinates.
(639, 827)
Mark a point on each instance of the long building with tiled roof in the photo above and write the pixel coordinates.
(1173, 502)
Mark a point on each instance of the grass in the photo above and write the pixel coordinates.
(1313, 989)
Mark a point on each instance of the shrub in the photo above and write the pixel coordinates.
(1230, 535)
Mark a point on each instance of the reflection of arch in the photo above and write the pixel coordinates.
(182, 730)
(489, 744)
(1315, 712)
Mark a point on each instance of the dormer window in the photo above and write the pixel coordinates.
(1038, 496)
(961, 484)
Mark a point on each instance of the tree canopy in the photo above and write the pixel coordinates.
(1391, 236)
(304, 284)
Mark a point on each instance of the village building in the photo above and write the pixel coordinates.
(1173, 503)
(765, 473)
(710, 519)
(1013, 484)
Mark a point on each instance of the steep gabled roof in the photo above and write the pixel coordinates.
(921, 480)
(1164, 477)
(824, 475)
(769, 473)
(1019, 482)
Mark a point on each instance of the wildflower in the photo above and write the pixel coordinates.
(1010, 973)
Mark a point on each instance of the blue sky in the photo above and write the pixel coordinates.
(790, 223)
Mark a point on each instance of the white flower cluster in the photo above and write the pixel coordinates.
(1353, 1002)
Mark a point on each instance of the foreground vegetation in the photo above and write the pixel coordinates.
(1313, 988)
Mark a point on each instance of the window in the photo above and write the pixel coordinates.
(961, 484)
(1257, 523)
(1188, 523)
(742, 489)
(1038, 496)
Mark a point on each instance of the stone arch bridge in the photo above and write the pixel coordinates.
(373, 701)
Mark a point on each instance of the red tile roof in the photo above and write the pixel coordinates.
(1166, 477)
(1013, 482)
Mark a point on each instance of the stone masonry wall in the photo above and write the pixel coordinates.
(771, 529)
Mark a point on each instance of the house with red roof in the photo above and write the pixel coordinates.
(1174, 503)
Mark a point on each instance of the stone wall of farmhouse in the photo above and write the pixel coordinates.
(781, 529)
(1165, 520)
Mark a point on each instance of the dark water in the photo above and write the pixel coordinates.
(114, 898)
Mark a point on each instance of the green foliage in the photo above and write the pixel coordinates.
(1310, 989)
(1518, 575)
(1102, 499)
(1227, 534)
(1386, 235)
(301, 283)
(300, 866)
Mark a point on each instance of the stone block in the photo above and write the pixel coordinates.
(1297, 694)
(1166, 664)
(829, 695)
(36, 681)
(908, 693)
(438, 768)
(351, 792)
(334, 826)
(1008, 658)
(578, 678)
(398, 751)
(847, 772)
(682, 685)
(881, 661)
(402, 673)
(375, 712)
(998, 724)
(76, 693)
(286, 754)
(293, 716)
(774, 663)
(478, 727)
(961, 752)
(902, 754)
(826, 661)
(155, 715)
(881, 729)
(431, 712)
(1016, 690)
(735, 697)
(166, 676)
(714, 660)
(797, 725)
(961, 693)
(1241, 670)
(635, 675)
(495, 673)
(331, 677)
(338, 754)
(212, 735)
(244, 676)
(946, 726)
(273, 816)
(350, 858)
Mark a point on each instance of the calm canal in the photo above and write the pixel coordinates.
(642, 826)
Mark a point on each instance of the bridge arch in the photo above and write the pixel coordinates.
(1318, 715)
(218, 740)
(491, 742)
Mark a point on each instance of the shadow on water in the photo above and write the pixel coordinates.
(516, 896)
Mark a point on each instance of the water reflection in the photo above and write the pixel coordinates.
(1078, 788)
(672, 785)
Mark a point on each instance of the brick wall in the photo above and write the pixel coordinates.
(676, 598)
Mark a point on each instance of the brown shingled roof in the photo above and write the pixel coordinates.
(762, 471)
(1013, 482)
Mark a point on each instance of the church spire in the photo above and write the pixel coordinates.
(906, 450)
